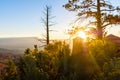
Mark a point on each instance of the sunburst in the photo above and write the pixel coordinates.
(82, 35)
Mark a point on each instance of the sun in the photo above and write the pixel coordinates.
(82, 35)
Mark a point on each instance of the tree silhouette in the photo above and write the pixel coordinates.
(47, 22)
(98, 11)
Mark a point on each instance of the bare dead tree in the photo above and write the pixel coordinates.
(46, 20)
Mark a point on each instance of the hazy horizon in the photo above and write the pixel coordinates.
(19, 44)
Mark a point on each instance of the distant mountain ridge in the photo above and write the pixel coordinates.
(18, 44)
(2, 50)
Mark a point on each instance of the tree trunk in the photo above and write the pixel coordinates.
(99, 27)
(47, 25)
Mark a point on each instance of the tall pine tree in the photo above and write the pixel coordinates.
(99, 10)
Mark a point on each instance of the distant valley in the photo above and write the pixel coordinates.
(17, 45)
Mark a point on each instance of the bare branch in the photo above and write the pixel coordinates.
(108, 9)
(105, 25)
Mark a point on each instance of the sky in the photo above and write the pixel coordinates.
(22, 18)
